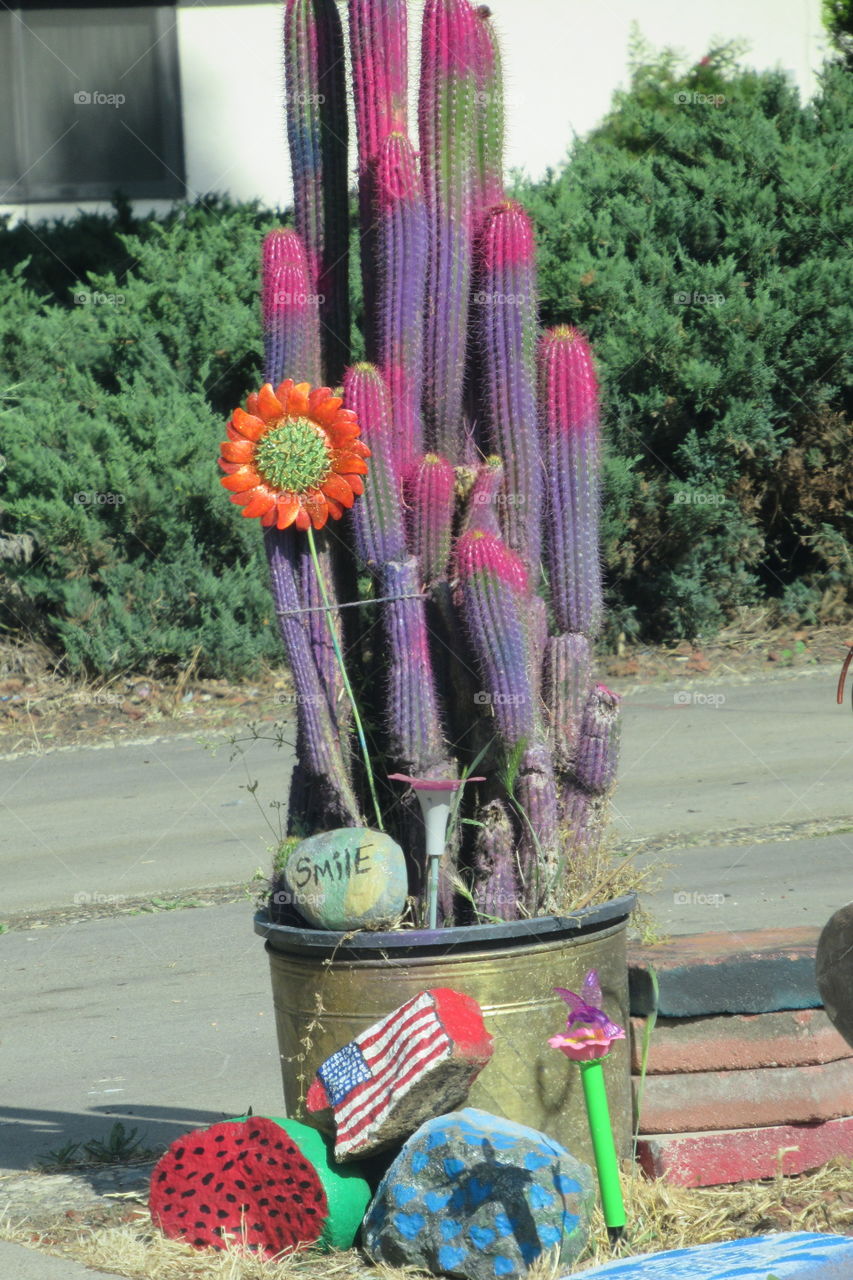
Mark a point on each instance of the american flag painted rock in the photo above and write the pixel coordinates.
(420, 1059)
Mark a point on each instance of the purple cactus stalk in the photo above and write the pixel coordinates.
(321, 753)
(379, 50)
(565, 691)
(539, 860)
(490, 115)
(414, 727)
(486, 491)
(291, 316)
(401, 261)
(317, 133)
(447, 115)
(598, 741)
(495, 887)
(506, 317)
(570, 430)
(495, 591)
(377, 515)
(432, 498)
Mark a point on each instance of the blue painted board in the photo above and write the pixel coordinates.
(787, 1256)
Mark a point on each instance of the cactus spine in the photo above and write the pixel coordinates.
(476, 654)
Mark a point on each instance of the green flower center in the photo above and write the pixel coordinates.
(293, 456)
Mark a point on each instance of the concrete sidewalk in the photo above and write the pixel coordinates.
(164, 1021)
(19, 1263)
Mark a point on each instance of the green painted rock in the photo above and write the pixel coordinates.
(347, 1191)
(352, 878)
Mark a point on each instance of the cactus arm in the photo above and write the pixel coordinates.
(569, 399)
(432, 501)
(377, 517)
(379, 48)
(291, 316)
(490, 115)
(505, 294)
(317, 135)
(401, 262)
(446, 120)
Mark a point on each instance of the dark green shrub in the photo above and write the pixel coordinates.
(705, 249)
(112, 411)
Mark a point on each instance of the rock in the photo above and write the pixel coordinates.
(738, 1041)
(350, 878)
(834, 964)
(421, 1059)
(268, 1181)
(474, 1195)
(347, 1190)
(796, 1256)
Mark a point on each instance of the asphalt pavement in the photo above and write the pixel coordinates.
(164, 1020)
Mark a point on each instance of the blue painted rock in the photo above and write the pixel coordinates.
(799, 1256)
(474, 1195)
(350, 878)
(420, 1059)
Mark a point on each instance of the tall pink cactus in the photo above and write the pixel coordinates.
(472, 553)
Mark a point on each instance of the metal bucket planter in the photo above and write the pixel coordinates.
(328, 987)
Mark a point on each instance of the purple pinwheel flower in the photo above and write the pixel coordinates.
(589, 1031)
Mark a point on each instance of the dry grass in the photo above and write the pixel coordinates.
(659, 1217)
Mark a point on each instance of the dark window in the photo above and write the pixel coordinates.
(90, 101)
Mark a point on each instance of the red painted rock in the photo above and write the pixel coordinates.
(742, 1155)
(792, 1038)
(242, 1179)
(709, 973)
(746, 1099)
(418, 1062)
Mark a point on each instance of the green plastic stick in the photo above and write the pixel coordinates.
(598, 1114)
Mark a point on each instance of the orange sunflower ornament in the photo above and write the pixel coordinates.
(294, 456)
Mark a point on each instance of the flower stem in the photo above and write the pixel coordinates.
(359, 727)
(598, 1114)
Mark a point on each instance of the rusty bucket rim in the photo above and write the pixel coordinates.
(295, 940)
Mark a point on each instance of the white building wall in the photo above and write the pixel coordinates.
(562, 59)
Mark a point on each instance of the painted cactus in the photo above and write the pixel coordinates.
(470, 560)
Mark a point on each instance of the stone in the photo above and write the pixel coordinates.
(787, 1256)
(347, 1189)
(746, 1099)
(834, 965)
(710, 973)
(474, 1195)
(735, 1041)
(350, 878)
(419, 1060)
(742, 1155)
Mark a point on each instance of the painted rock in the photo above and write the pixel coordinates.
(266, 1182)
(347, 1190)
(421, 1059)
(798, 1256)
(834, 965)
(245, 1181)
(351, 878)
(474, 1195)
